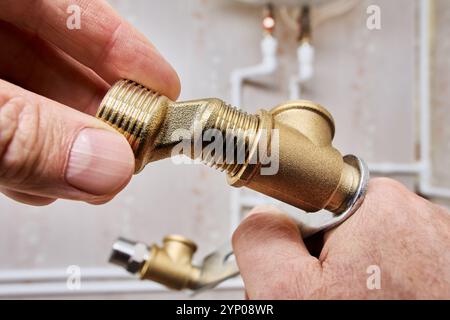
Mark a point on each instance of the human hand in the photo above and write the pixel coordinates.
(53, 81)
(405, 236)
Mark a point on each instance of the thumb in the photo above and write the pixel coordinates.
(272, 258)
(53, 151)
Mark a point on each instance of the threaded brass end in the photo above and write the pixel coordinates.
(139, 113)
(239, 131)
(127, 107)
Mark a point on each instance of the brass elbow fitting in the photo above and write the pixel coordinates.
(311, 174)
(170, 265)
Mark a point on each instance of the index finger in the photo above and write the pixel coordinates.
(105, 42)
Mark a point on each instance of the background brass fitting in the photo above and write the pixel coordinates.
(171, 264)
(312, 175)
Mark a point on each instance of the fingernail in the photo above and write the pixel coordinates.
(100, 162)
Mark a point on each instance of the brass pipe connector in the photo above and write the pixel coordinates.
(310, 174)
(171, 265)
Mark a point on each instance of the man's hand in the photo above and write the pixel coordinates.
(53, 81)
(405, 236)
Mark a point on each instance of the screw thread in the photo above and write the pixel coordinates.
(239, 130)
(126, 108)
(129, 107)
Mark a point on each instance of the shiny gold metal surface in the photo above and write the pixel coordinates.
(171, 265)
(311, 175)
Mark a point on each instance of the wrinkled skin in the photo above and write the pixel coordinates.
(52, 79)
(406, 236)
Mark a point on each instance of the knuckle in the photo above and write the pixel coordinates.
(389, 186)
(392, 204)
(248, 227)
(262, 226)
(109, 52)
(383, 191)
(264, 209)
(19, 137)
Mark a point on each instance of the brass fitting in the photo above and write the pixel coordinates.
(311, 175)
(171, 265)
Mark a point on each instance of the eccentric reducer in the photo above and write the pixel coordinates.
(309, 173)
